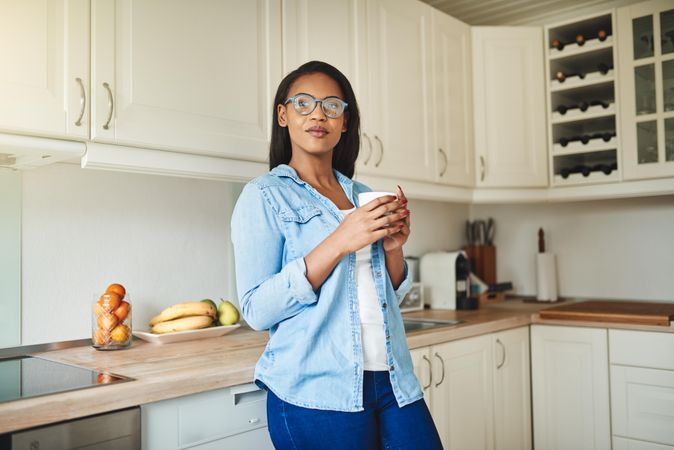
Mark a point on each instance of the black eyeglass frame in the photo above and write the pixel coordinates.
(328, 113)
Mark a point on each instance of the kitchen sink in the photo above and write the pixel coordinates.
(414, 324)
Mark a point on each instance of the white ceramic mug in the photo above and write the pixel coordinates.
(367, 197)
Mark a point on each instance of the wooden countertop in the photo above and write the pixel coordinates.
(167, 371)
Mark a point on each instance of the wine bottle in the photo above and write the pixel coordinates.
(602, 35)
(583, 105)
(604, 68)
(556, 43)
(561, 76)
(580, 40)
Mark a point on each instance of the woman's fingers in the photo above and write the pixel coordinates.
(391, 220)
(377, 202)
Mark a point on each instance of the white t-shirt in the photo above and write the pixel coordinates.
(371, 316)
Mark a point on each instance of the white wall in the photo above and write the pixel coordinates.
(10, 258)
(621, 249)
(165, 239)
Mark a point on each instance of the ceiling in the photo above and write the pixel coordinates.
(522, 12)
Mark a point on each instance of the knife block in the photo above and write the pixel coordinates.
(482, 262)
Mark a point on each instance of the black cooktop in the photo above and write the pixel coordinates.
(29, 376)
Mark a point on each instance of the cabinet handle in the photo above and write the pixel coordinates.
(83, 102)
(430, 372)
(444, 156)
(381, 147)
(481, 168)
(369, 144)
(111, 106)
(442, 378)
(498, 341)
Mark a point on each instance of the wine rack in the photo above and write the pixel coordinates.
(584, 145)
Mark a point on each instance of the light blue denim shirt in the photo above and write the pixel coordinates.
(314, 357)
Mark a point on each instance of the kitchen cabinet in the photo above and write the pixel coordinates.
(306, 38)
(44, 84)
(509, 107)
(395, 118)
(206, 89)
(646, 71)
(451, 101)
(569, 367)
(642, 388)
(478, 390)
(225, 418)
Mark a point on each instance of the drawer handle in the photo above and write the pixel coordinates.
(111, 106)
(381, 148)
(482, 168)
(253, 420)
(83, 102)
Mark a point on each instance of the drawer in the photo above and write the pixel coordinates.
(631, 444)
(205, 417)
(642, 349)
(642, 403)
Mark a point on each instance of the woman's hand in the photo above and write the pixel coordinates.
(395, 241)
(381, 218)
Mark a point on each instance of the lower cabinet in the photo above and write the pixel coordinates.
(570, 386)
(478, 390)
(230, 418)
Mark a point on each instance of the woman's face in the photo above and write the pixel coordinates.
(314, 133)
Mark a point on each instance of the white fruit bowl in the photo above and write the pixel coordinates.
(187, 335)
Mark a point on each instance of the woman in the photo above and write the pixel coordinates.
(325, 276)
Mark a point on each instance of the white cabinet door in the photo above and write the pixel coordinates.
(308, 35)
(646, 71)
(44, 80)
(451, 101)
(422, 369)
(201, 79)
(570, 388)
(396, 119)
(462, 404)
(509, 107)
(512, 390)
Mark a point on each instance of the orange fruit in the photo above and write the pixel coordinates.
(122, 311)
(101, 337)
(117, 289)
(110, 301)
(120, 333)
(107, 321)
(103, 378)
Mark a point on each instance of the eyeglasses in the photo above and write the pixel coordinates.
(304, 104)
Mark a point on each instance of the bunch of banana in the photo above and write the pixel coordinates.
(184, 316)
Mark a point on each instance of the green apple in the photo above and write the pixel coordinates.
(227, 313)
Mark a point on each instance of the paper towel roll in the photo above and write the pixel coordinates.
(546, 277)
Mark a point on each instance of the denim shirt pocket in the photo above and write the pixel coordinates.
(304, 229)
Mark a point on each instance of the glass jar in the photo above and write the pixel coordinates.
(111, 322)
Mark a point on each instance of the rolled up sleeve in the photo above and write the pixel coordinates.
(268, 291)
(405, 286)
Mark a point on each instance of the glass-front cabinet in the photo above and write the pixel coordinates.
(646, 72)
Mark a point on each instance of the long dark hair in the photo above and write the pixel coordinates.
(345, 152)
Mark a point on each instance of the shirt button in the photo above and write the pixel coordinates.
(391, 367)
(383, 305)
(378, 274)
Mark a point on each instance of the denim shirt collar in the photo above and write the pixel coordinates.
(284, 170)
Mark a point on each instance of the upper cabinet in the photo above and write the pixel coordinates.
(200, 80)
(395, 121)
(646, 71)
(509, 107)
(451, 100)
(44, 81)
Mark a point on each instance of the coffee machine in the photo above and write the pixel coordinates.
(446, 279)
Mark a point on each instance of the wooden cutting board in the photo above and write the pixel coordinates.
(644, 313)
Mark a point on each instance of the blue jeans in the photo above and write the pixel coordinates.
(382, 425)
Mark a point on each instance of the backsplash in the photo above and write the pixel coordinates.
(617, 249)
